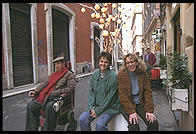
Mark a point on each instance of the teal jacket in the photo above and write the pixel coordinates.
(103, 93)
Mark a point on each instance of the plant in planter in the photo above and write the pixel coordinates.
(178, 81)
(180, 77)
(162, 62)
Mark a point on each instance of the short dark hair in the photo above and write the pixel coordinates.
(107, 55)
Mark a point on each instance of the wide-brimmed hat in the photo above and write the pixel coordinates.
(58, 59)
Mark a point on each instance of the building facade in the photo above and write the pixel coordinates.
(132, 33)
(34, 34)
(169, 27)
(137, 30)
(151, 28)
(180, 38)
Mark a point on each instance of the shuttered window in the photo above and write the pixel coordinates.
(21, 43)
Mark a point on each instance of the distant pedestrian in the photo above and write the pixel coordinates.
(102, 96)
(135, 94)
(138, 56)
(150, 60)
(62, 81)
(141, 57)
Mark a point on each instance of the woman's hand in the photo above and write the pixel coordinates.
(92, 113)
(133, 117)
(150, 117)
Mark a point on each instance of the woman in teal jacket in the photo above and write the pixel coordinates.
(102, 96)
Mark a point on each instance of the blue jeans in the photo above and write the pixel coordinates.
(101, 125)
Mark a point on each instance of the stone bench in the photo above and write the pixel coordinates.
(118, 123)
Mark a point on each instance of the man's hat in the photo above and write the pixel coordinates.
(58, 59)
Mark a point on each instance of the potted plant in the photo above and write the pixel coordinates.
(178, 81)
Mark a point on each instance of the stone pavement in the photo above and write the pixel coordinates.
(163, 112)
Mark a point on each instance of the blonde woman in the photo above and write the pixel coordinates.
(135, 94)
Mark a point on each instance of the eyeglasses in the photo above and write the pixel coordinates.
(130, 62)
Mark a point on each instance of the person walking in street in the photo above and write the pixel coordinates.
(102, 96)
(150, 60)
(135, 94)
(62, 81)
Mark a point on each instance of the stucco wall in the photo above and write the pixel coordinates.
(83, 20)
(187, 27)
(42, 43)
(187, 118)
(83, 33)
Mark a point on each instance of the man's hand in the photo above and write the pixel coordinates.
(32, 94)
(150, 117)
(133, 117)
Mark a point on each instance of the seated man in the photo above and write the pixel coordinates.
(59, 82)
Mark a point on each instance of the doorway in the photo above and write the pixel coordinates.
(177, 31)
(20, 23)
(60, 25)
